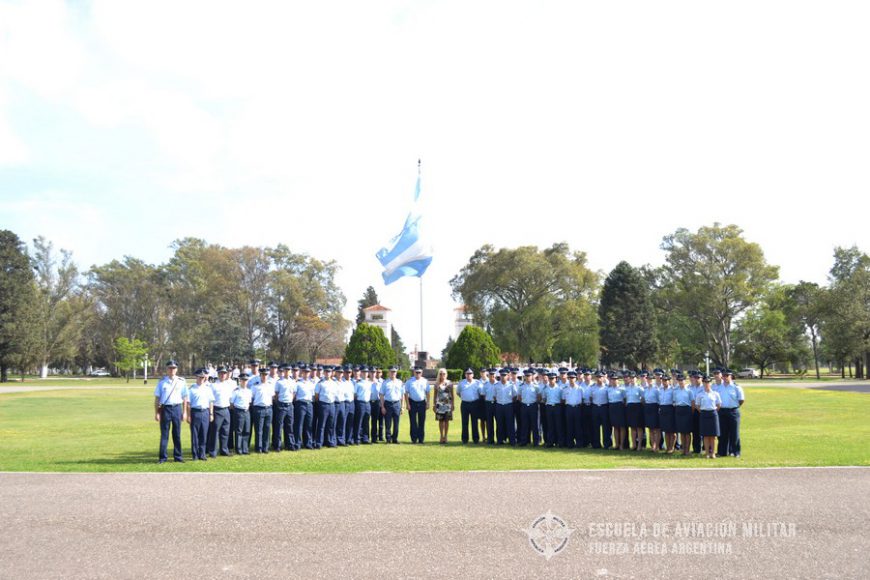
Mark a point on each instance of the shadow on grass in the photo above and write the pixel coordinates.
(130, 458)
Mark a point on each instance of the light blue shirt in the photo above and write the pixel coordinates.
(616, 394)
(489, 391)
(346, 390)
(263, 393)
(682, 397)
(587, 394)
(305, 390)
(376, 389)
(327, 391)
(505, 393)
(223, 392)
(363, 390)
(572, 395)
(392, 390)
(171, 391)
(285, 388)
(666, 396)
(241, 398)
(255, 380)
(651, 395)
(553, 395)
(417, 389)
(731, 395)
(599, 394)
(633, 394)
(200, 396)
(469, 391)
(529, 393)
(708, 401)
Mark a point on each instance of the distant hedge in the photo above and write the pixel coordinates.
(455, 375)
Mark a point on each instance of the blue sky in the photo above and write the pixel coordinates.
(124, 126)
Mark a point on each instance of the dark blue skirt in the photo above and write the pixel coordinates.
(666, 418)
(683, 418)
(709, 424)
(634, 415)
(617, 414)
(651, 415)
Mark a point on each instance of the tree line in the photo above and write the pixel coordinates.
(206, 303)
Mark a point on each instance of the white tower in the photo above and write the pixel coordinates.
(378, 315)
(460, 321)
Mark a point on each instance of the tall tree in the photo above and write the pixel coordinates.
(627, 318)
(474, 348)
(370, 298)
(806, 303)
(17, 296)
(713, 276)
(515, 293)
(369, 346)
(130, 354)
(848, 311)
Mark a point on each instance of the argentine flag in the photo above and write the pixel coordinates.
(407, 254)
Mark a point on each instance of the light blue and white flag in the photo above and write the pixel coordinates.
(407, 254)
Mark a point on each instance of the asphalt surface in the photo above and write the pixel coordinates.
(421, 525)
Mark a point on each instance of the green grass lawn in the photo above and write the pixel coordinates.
(114, 430)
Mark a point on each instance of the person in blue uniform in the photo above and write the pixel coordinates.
(488, 390)
(362, 404)
(529, 397)
(285, 390)
(326, 397)
(303, 410)
(219, 429)
(634, 412)
(651, 415)
(391, 395)
(601, 428)
(263, 393)
(340, 378)
(469, 391)
(200, 413)
(240, 402)
(729, 415)
(616, 409)
(695, 387)
(552, 399)
(708, 402)
(479, 412)
(274, 376)
(586, 385)
(667, 422)
(505, 395)
(572, 396)
(683, 413)
(417, 402)
(169, 397)
(377, 417)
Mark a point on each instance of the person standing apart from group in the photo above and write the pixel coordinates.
(169, 398)
(444, 402)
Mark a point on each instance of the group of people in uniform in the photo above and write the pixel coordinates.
(296, 406)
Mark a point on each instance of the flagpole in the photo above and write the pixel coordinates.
(421, 315)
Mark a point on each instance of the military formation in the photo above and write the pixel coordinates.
(278, 407)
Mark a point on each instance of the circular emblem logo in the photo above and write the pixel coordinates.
(548, 535)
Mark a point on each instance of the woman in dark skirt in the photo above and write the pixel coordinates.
(651, 415)
(634, 413)
(708, 402)
(666, 414)
(616, 411)
(683, 413)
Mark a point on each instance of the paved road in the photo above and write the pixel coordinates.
(436, 524)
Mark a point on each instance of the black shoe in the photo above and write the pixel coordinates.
(179, 461)
(161, 461)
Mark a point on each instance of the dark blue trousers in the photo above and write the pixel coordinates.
(340, 416)
(391, 420)
(276, 426)
(325, 425)
(601, 426)
(170, 417)
(303, 419)
(284, 423)
(555, 429)
(242, 419)
(504, 418)
(490, 421)
(219, 432)
(573, 426)
(696, 431)
(198, 432)
(417, 417)
(587, 425)
(261, 418)
(361, 416)
(729, 427)
(468, 412)
(529, 432)
(349, 418)
(377, 418)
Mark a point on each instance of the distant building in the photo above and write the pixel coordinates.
(379, 316)
(461, 319)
